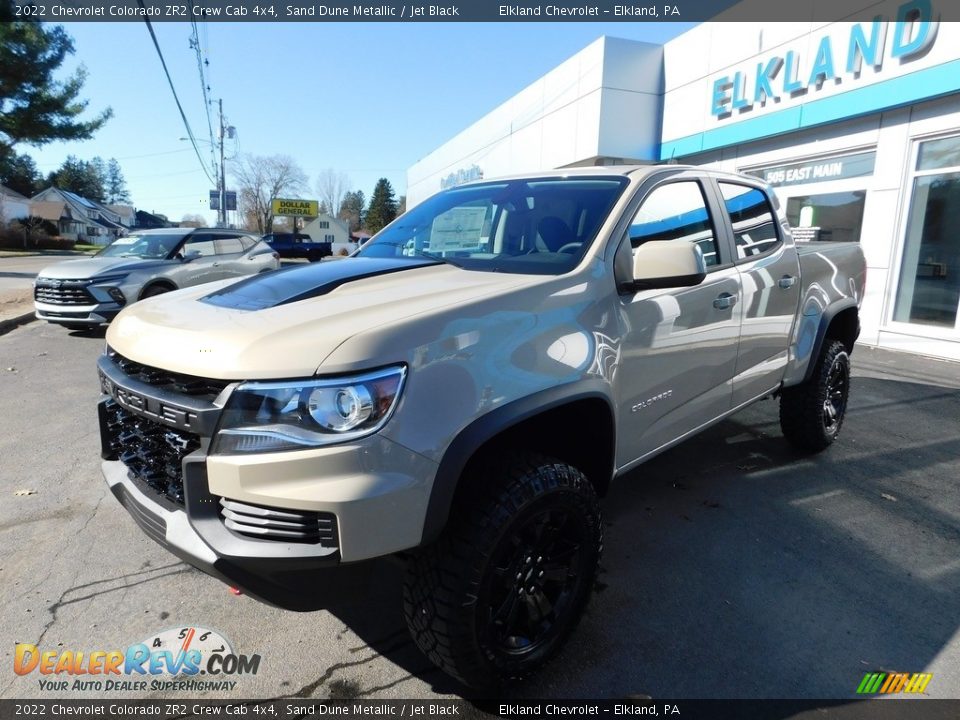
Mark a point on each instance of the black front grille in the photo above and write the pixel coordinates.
(265, 523)
(167, 380)
(63, 292)
(153, 453)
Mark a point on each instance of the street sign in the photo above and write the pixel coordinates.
(231, 199)
(214, 199)
(296, 208)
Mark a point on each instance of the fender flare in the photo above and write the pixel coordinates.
(826, 318)
(466, 443)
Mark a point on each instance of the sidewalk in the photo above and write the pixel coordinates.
(16, 308)
(35, 253)
(904, 366)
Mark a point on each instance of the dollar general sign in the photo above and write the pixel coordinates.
(297, 208)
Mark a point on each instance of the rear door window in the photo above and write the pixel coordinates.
(752, 219)
(201, 243)
(229, 246)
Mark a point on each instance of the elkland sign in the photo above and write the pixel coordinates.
(789, 75)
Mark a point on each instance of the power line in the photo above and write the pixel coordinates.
(186, 123)
(204, 85)
(57, 163)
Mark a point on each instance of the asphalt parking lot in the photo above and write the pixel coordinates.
(733, 567)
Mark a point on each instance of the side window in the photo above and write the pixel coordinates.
(676, 211)
(247, 241)
(229, 246)
(202, 244)
(753, 221)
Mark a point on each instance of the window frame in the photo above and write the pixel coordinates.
(728, 221)
(709, 200)
(910, 175)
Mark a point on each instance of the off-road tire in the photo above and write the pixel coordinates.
(812, 413)
(522, 516)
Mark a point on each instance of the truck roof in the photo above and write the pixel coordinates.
(637, 171)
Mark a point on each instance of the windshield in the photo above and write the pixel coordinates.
(520, 226)
(148, 247)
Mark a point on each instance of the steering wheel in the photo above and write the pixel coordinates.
(570, 247)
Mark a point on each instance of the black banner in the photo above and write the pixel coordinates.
(873, 709)
(66, 11)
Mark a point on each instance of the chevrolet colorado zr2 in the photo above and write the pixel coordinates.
(462, 391)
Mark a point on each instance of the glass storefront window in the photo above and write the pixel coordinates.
(937, 154)
(929, 289)
(836, 216)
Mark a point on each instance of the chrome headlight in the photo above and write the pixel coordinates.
(299, 414)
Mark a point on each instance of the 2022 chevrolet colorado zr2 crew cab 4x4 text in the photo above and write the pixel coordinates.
(463, 390)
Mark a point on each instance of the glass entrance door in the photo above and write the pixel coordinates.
(929, 288)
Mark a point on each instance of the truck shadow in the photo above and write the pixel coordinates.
(736, 568)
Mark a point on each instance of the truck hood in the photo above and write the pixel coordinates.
(84, 268)
(284, 324)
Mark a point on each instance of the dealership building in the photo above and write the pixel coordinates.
(856, 126)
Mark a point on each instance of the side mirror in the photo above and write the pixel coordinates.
(190, 255)
(667, 264)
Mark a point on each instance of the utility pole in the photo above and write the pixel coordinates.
(223, 174)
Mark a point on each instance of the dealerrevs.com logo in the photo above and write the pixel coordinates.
(188, 659)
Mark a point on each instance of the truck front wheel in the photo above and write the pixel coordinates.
(812, 413)
(497, 595)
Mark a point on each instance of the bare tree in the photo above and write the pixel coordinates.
(196, 221)
(261, 179)
(332, 186)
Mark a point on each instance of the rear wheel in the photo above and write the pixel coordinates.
(498, 594)
(812, 413)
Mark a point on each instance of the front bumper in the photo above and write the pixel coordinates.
(85, 315)
(376, 491)
(277, 579)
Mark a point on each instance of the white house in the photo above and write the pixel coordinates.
(327, 228)
(13, 205)
(89, 221)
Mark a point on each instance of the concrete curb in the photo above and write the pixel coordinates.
(8, 324)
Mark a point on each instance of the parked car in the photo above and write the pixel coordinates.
(302, 246)
(462, 391)
(90, 291)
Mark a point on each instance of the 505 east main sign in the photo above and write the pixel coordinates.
(789, 75)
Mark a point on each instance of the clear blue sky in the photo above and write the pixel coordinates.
(367, 99)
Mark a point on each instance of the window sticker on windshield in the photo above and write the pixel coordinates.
(126, 240)
(458, 229)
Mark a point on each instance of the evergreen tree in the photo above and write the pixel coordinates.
(80, 177)
(35, 108)
(351, 209)
(19, 173)
(383, 207)
(115, 184)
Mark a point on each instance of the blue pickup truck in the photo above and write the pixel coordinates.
(299, 245)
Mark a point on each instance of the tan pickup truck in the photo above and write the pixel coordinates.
(462, 391)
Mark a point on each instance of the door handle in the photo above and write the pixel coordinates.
(725, 301)
(787, 281)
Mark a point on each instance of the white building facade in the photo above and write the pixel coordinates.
(856, 126)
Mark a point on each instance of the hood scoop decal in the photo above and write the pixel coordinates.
(301, 283)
